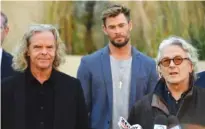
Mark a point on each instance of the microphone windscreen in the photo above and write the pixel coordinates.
(136, 126)
(173, 121)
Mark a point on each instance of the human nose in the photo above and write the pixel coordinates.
(117, 30)
(172, 64)
(44, 51)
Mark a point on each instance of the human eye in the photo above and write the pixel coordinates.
(121, 25)
(111, 27)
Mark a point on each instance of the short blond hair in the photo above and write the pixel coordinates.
(115, 10)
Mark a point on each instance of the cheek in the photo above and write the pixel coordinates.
(52, 53)
(110, 33)
(164, 72)
(185, 70)
(187, 66)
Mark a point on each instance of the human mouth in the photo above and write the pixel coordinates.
(43, 59)
(173, 73)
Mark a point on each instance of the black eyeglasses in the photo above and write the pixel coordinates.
(177, 61)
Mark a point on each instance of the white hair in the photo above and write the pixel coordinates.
(187, 47)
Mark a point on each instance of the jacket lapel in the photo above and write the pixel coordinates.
(61, 106)
(106, 69)
(134, 72)
(4, 64)
(19, 97)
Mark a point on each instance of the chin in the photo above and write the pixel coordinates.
(46, 66)
(173, 81)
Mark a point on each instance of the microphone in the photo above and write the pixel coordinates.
(173, 122)
(160, 122)
(136, 126)
(123, 124)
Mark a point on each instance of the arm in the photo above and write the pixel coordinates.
(7, 104)
(84, 76)
(82, 115)
(153, 78)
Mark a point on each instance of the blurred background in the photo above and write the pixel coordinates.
(80, 25)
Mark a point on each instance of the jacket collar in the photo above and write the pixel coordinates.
(158, 101)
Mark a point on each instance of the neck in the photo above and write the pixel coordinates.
(178, 89)
(41, 74)
(120, 53)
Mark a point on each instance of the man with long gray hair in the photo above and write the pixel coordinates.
(175, 93)
(39, 96)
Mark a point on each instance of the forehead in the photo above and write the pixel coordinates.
(42, 36)
(116, 20)
(173, 50)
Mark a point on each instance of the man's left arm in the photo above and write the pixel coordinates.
(153, 78)
(82, 114)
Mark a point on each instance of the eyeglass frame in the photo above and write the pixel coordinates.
(172, 59)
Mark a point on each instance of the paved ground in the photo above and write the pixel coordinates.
(72, 62)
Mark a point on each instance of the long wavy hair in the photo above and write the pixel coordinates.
(21, 60)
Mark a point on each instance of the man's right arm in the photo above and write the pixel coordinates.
(7, 104)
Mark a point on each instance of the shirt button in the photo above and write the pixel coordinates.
(41, 93)
(42, 107)
(176, 102)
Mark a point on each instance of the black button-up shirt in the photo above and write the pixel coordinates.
(39, 102)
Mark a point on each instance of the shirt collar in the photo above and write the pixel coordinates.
(32, 79)
(162, 89)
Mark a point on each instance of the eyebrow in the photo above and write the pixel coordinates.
(118, 24)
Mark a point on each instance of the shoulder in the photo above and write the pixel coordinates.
(141, 110)
(6, 54)
(12, 81)
(145, 101)
(68, 82)
(14, 78)
(200, 91)
(65, 77)
(201, 74)
(92, 57)
(200, 79)
(144, 104)
(199, 96)
(144, 58)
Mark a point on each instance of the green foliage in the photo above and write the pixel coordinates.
(79, 23)
(198, 40)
